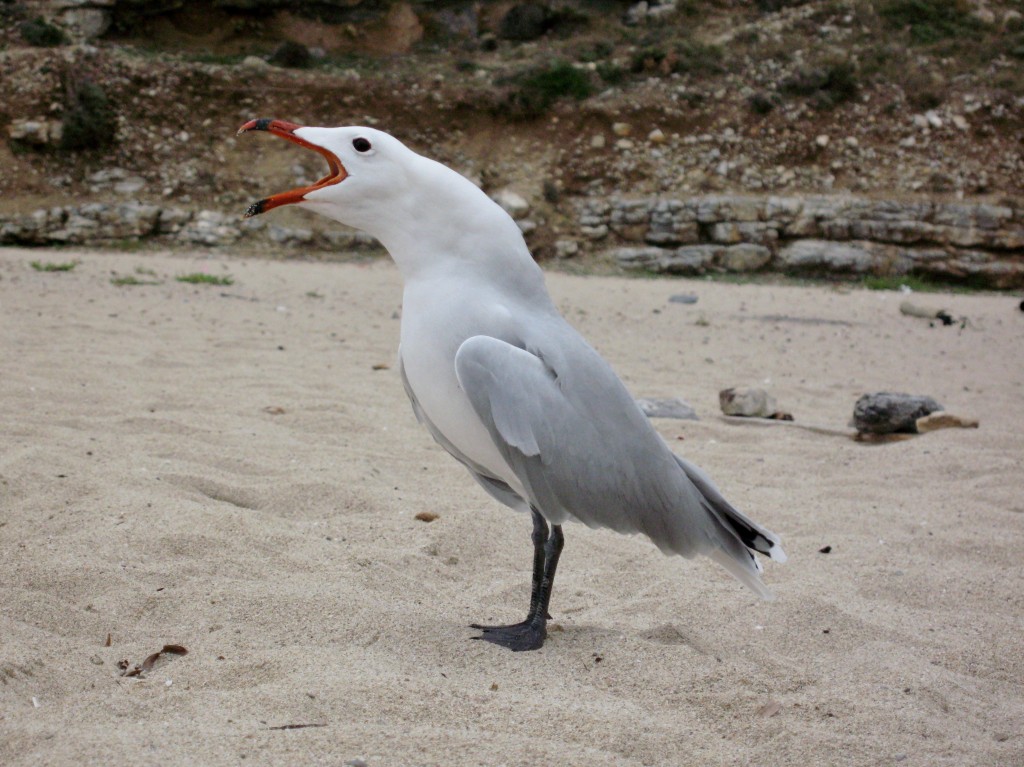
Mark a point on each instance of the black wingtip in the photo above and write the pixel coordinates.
(255, 209)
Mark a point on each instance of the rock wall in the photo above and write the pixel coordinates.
(977, 242)
(102, 224)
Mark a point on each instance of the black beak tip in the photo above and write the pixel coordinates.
(262, 123)
(255, 209)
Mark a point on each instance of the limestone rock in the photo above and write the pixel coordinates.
(814, 254)
(86, 23)
(514, 203)
(747, 401)
(745, 257)
(566, 248)
(37, 132)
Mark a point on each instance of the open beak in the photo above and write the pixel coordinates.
(287, 130)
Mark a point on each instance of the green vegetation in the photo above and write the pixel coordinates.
(89, 118)
(41, 34)
(917, 284)
(131, 279)
(828, 85)
(291, 55)
(537, 90)
(929, 21)
(198, 278)
(51, 266)
(560, 80)
(224, 59)
(684, 56)
(762, 103)
(611, 73)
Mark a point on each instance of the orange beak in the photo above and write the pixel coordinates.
(287, 130)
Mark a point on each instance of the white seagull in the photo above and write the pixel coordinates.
(500, 379)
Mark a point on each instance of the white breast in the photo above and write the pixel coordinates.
(429, 343)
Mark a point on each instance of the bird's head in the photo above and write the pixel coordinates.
(422, 211)
(365, 168)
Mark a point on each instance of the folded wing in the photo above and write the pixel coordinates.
(581, 447)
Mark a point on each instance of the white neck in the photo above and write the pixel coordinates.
(443, 222)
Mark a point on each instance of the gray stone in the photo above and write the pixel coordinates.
(637, 258)
(957, 215)
(255, 62)
(854, 257)
(898, 210)
(786, 208)
(86, 23)
(594, 232)
(890, 412)
(513, 203)
(715, 208)
(835, 229)
(130, 185)
(760, 232)
(40, 132)
(210, 227)
(107, 175)
(904, 232)
(126, 220)
(802, 226)
(671, 407)
(682, 298)
(745, 257)
(672, 233)
(691, 259)
(992, 216)
(566, 248)
(630, 212)
(76, 229)
(725, 232)
(173, 219)
(289, 235)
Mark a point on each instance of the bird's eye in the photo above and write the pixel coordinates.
(361, 144)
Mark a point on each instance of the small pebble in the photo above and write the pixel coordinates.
(683, 298)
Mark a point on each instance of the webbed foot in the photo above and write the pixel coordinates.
(517, 637)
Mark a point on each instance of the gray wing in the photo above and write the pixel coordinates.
(581, 447)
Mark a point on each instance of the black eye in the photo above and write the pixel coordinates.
(361, 145)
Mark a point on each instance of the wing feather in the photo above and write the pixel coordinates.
(583, 450)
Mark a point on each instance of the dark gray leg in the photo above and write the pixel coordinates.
(530, 633)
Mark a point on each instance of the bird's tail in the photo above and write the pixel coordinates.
(740, 537)
(743, 566)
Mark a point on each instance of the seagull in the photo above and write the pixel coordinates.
(502, 381)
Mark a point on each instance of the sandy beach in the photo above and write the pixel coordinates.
(235, 469)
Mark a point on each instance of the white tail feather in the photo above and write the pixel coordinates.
(745, 574)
